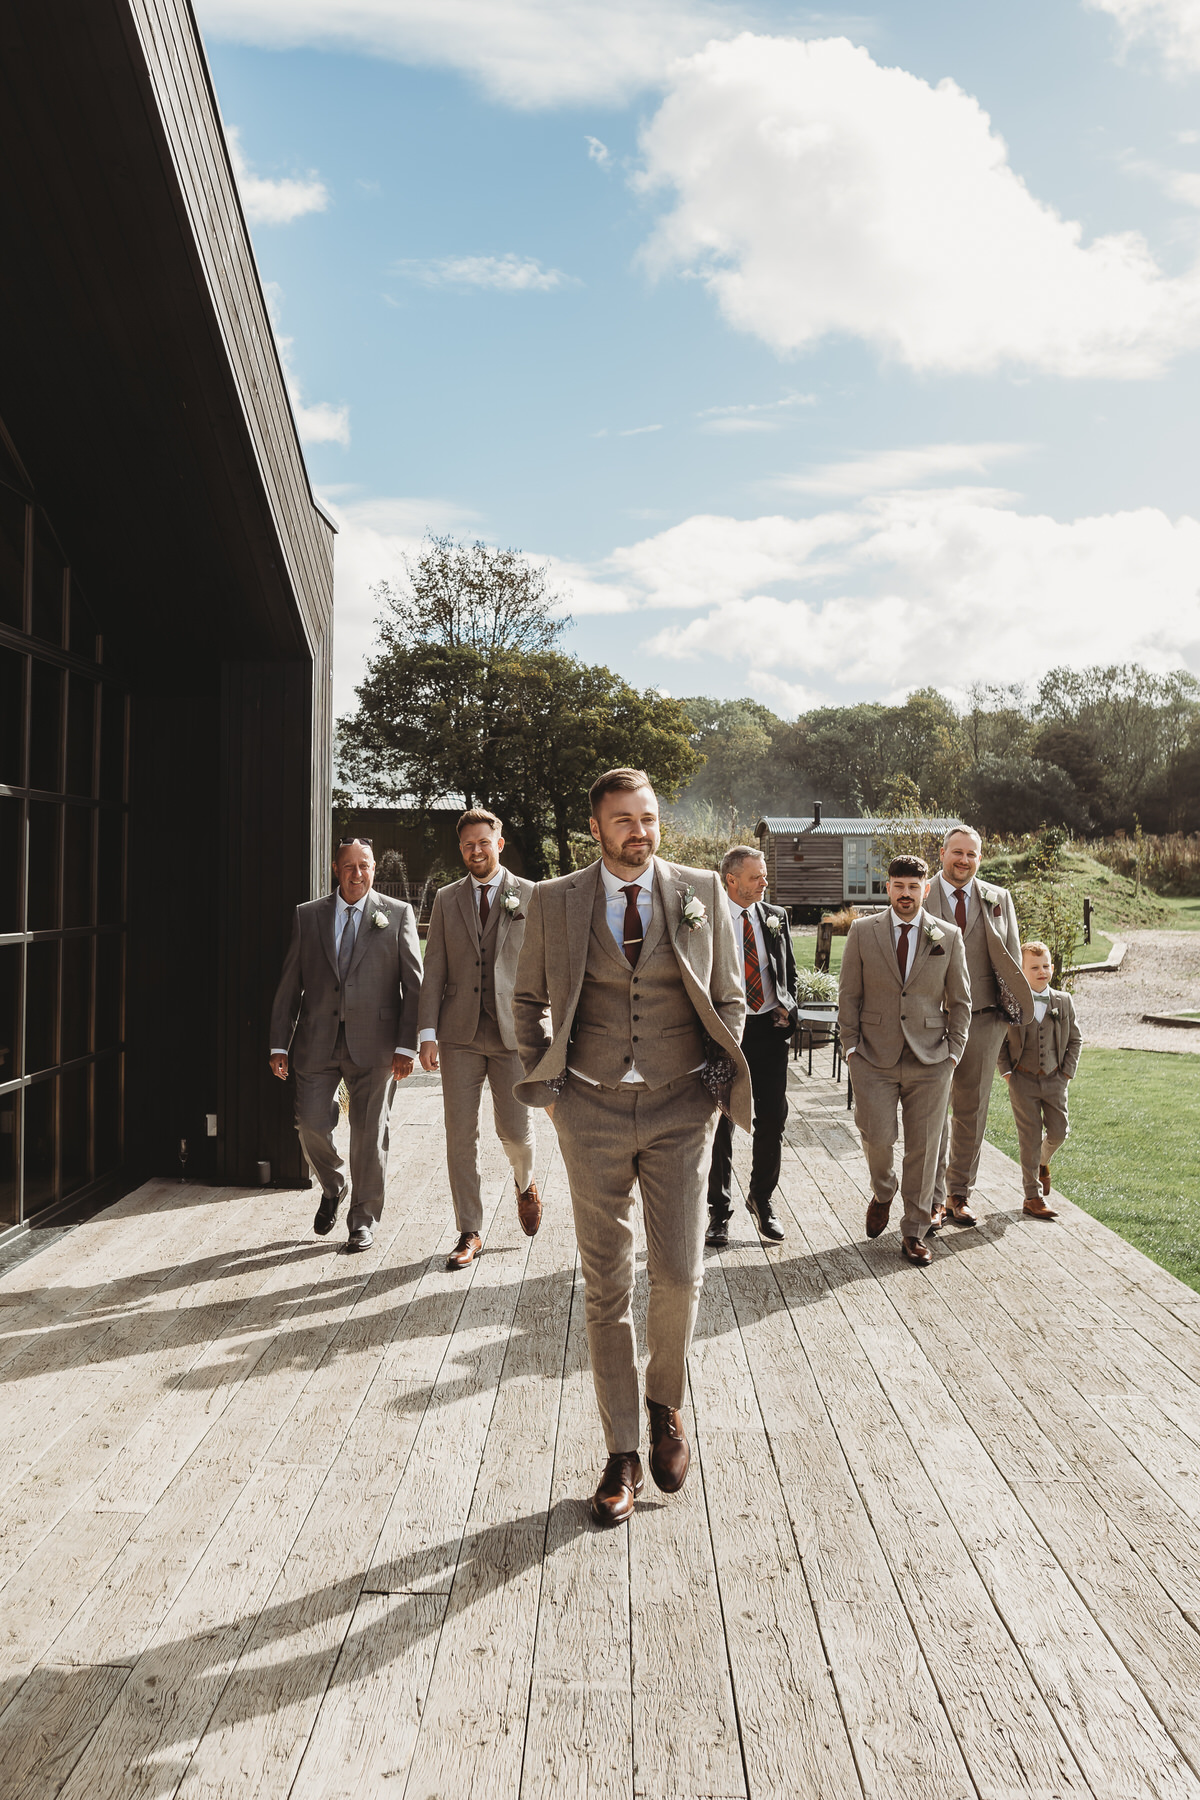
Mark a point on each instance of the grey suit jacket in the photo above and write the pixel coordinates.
(930, 1010)
(383, 985)
(450, 998)
(1068, 1039)
(553, 962)
(1002, 936)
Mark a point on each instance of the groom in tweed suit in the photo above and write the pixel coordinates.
(628, 993)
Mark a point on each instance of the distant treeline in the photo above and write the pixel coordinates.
(1096, 750)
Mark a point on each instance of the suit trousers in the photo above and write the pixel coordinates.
(1039, 1104)
(920, 1091)
(371, 1091)
(465, 1068)
(970, 1095)
(765, 1047)
(661, 1138)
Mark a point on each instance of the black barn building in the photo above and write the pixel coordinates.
(166, 587)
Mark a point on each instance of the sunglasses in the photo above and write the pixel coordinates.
(342, 842)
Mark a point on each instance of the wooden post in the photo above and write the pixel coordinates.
(1087, 918)
(824, 948)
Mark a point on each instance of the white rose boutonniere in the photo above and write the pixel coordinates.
(934, 933)
(380, 921)
(511, 901)
(991, 897)
(694, 914)
(774, 924)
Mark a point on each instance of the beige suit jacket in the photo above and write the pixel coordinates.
(930, 1010)
(1002, 936)
(553, 962)
(1068, 1039)
(450, 991)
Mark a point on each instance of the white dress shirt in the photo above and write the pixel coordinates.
(950, 890)
(429, 1035)
(738, 912)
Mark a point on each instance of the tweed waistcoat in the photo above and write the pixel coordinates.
(979, 964)
(1039, 1048)
(487, 958)
(628, 1014)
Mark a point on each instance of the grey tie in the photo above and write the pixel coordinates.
(346, 951)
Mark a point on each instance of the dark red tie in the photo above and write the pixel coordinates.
(485, 907)
(902, 950)
(754, 987)
(631, 935)
(960, 908)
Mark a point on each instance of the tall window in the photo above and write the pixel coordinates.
(63, 824)
(863, 875)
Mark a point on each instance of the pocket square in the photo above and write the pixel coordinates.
(936, 950)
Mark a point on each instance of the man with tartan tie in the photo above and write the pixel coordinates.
(769, 978)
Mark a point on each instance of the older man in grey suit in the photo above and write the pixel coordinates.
(466, 1024)
(346, 1010)
(628, 1010)
(1000, 996)
(904, 1010)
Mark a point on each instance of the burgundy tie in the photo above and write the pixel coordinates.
(754, 986)
(960, 908)
(485, 907)
(631, 935)
(902, 950)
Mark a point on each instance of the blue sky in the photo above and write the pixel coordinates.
(823, 355)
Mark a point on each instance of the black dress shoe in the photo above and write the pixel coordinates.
(718, 1233)
(763, 1214)
(360, 1238)
(327, 1212)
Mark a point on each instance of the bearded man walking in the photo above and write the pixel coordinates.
(1000, 996)
(466, 1024)
(628, 1008)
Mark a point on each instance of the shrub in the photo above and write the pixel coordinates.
(813, 987)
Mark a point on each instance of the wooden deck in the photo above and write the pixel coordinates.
(281, 1522)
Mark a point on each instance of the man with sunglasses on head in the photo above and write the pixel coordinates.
(346, 1010)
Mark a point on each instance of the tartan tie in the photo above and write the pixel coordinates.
(754, 986)
(631, 934)
(485, 907)
(902, 950)
(960, 908)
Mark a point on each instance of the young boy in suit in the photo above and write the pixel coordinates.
(1038, 1061)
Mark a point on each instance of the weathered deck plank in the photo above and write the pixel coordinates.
(276, 1522)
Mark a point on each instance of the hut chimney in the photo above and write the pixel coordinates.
(816, 812)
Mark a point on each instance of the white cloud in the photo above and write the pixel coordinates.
(598, 152)
(943, 586)
(639, 430)
(511, 274)
(524, 52)
(898, 469)
(816, 192)
(269, 202)
(1172, 25)
(320, 422)
(763, 416)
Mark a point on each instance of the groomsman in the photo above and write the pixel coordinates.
(466, 1024)
(346, 1010)
(628, 1004)
(987, 919)
(769, 979)
(904, 1011)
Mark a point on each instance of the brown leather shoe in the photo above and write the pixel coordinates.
(1044, 1177)
(669, 1452)
(1037, 1209)
(958, 1210)
(620, 1484)
(937, 1217)
(877, 1217)
(529, 1209)
(468, 1247)
(914, 1251)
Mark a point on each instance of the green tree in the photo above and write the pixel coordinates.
(746, 768)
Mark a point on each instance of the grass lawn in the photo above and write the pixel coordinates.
(1131, 1159)
(806, 949)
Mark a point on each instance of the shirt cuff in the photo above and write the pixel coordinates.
(278, 1052)
(400, 1051)
(427, 1036)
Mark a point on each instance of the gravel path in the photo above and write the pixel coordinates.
(1160, 974)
